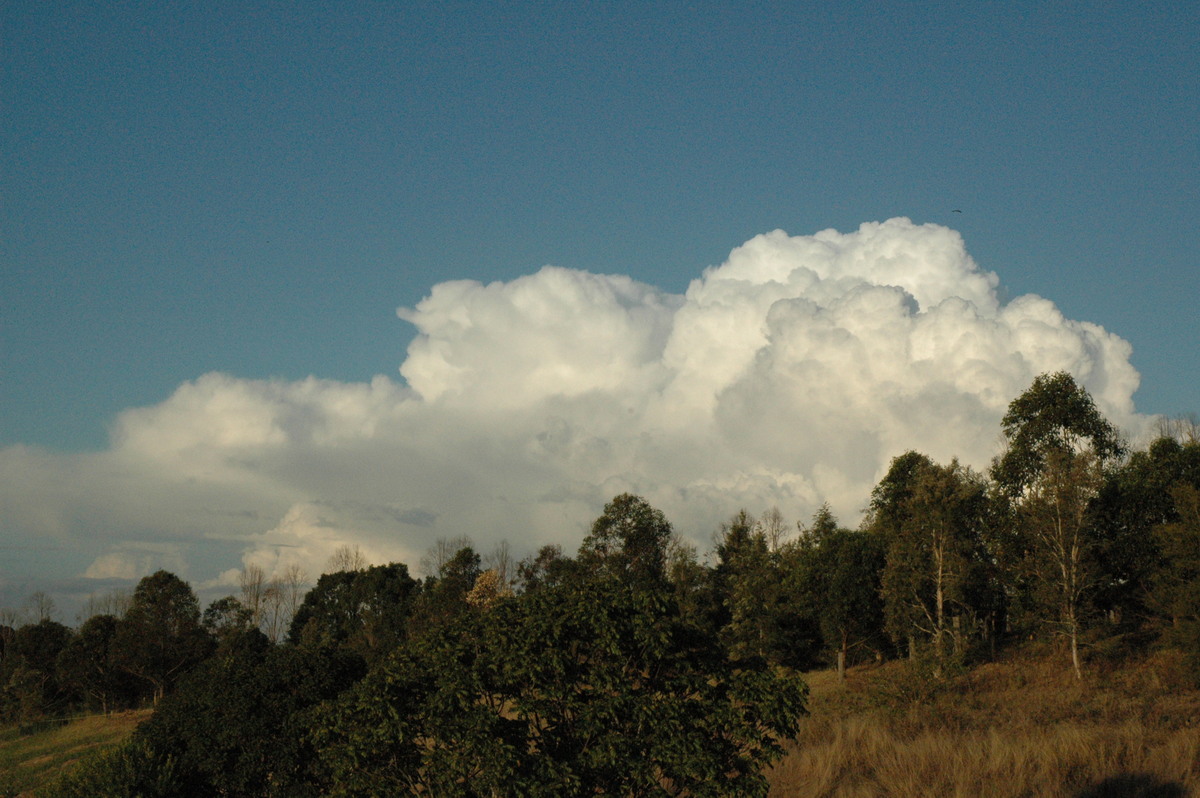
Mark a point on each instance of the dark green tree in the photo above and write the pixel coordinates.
(1176, 586)
(31, 683)
(837, 572)
(595, 687)
(890, 506)
(824, 525)
(549, 567)
(89, 666)
(443, 597)
(236, 725)
(759, 612)
(890, 511)
(226, 618)
(160, 638)
(364, 611)
(692, 585)
(749, 587)
(630, 539)
(1134, 500)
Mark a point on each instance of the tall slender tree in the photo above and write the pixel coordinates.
(932, 557)
(749, 586)
(1058, 445)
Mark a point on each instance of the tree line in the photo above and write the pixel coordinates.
(636, 667)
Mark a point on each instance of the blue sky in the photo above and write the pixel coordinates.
(205, 204)
(255, 187)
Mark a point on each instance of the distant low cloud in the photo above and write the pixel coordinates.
(790, 375)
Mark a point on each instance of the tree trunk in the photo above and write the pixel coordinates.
(939, 627)
(1073, 631)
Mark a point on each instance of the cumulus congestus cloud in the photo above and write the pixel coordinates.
(789, 375)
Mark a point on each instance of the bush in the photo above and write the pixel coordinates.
(597, 687)
(129, 769)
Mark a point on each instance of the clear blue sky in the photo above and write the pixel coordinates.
(255, 187)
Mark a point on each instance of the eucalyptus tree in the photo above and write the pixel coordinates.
(889, 511)
(889, 507)
(1053, 421)
(934, 557)
(1058, 445)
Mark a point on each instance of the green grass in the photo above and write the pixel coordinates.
(32, 759)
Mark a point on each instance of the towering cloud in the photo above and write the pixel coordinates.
(789, 375)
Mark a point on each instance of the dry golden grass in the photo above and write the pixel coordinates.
(1017, 728)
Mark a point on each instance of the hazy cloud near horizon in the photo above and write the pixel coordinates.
(789, 375)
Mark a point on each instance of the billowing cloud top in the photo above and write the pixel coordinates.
(789, 375)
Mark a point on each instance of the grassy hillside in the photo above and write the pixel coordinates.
(28, 761)
(1019, 727)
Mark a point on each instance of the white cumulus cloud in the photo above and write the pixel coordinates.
(789, 375)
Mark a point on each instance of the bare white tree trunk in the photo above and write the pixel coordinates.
(1057, 520)
(773, 528)
(295, 580)
(253, 582)
(500, 560)
(273, 611)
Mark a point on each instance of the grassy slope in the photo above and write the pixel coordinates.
(30, 761)
(1021, 727)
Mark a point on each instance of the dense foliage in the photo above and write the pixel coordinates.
(598, 687)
